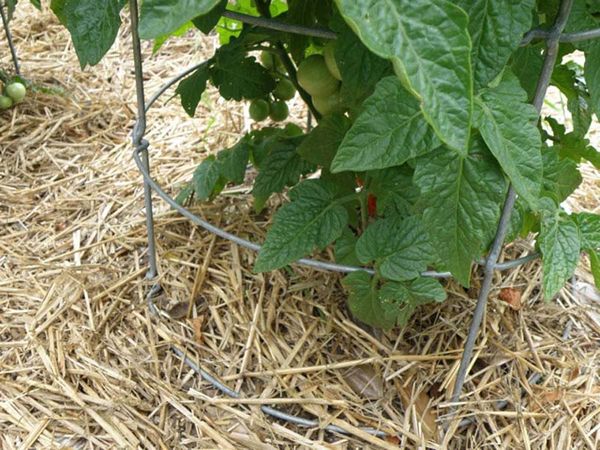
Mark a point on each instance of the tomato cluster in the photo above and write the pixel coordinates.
(11, 94)
(274, 106)
(320, 76)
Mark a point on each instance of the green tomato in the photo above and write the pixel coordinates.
(5, 102)
(329, 104)
(270, 61)
(332, 66)
(16, 91)
(314, 77)
(266, 59)
(279, 111)
(259, 110)
(284, 90)
(292, 130)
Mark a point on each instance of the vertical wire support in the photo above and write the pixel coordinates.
(138, 136)
(11, 46)
(490, 263)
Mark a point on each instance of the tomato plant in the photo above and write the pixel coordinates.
(425, 119)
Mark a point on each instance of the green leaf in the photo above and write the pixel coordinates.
(305, 13)
(394, 189)
(278, 7)
(391, 305)
(390, 130)
(233, 162)
(461, 199)
(496, 29)
(517, 220)
(560, 247)
(313, 219)
(561, 176)
(527, 65)
(264, 140)
(364, 302)
(240, 77)
(508, 126)
(589, 230)
(282, 167)
(581, 19)
(229, 28)
(181, 31)
(578, 99)
(429, 45)
(360, 68)
(406, 297)
(323, 141)
(10, 8)
(191, 88)
(162, 17)
(345, 248)
(36, 3)
(400, 248)
(184, 194)
(592, 75)
(208, 21)
(93, 25)
(595, 267)
(58, 8)
(206, 178)
(573, 146)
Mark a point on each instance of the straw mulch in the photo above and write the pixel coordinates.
(83, 363)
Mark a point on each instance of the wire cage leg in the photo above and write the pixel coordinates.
(9, 40)
(139, 142)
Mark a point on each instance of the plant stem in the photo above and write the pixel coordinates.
(362, 197)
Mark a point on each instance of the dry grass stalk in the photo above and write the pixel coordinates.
(83, 363)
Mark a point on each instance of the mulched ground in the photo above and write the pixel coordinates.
(84, 364)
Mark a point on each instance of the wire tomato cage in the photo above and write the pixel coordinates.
(141, 156)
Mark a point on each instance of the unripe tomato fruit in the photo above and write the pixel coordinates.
(314, 77)
(328, 104)
(279, 111)
(292, 130)
(328, 53)
(284, 90)
(270, 61)
(5, 102)
(259, 110)
(16, 91)
(266, 59)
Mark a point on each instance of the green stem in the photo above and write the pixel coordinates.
(362, 198)
(375, 282)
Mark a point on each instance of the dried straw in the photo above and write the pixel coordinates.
(84, 365)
